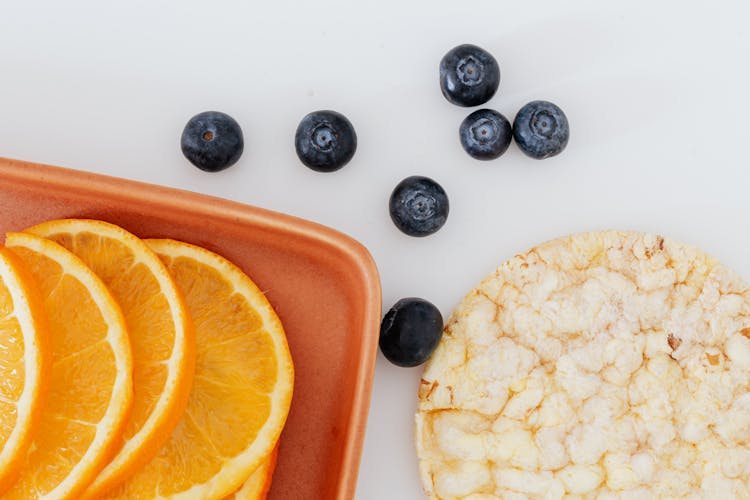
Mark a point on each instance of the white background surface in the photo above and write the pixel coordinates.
(657, 94)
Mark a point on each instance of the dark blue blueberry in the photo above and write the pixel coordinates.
(212, 141)
(541, 129)
(325, 141)
(469, 75)
(485, 134)
(410, 332)
(418, 206)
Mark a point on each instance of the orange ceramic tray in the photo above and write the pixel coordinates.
(323, 285)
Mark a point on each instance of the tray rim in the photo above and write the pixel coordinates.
(235, 212)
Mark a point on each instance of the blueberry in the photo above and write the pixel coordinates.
(325, 141)
(418, 206)
(469, 75)
(485, 134)
(541, 129)
(212, 141)
(410, 332)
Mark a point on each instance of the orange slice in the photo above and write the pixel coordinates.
(242, 388)
(90, 391)
(24, 364)
(161, 335)
(257, 485)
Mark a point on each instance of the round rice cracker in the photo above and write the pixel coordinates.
(600, 365)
